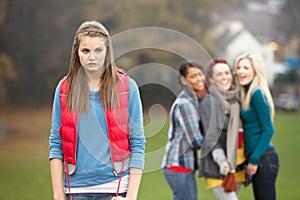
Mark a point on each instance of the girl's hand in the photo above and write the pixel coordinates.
(251, 169)
(224, 169)
(118, 198)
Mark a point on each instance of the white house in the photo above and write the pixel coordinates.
(234, 39)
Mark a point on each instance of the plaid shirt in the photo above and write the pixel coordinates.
(184, 136)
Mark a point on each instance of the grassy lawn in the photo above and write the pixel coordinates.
(24, 169)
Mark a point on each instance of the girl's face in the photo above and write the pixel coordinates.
(195, 79)
(91, 52)
(221, 76)
(244, 72)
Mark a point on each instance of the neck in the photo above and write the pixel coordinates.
(94, 85)
(93, 79)
(247, 87)
(202, 93)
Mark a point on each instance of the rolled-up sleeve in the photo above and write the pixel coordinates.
(137, 138)
(55, 142)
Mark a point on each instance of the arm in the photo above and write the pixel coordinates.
(137, 138)
(190, 124)
(220, 158)
(135, 176)
(57, 176)
(55, 154)
(263, 112)
(137, 142)
(211, 122)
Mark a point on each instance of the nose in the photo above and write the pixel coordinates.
(239, 72)
(223, 76)
(200, 78)
(92, 56)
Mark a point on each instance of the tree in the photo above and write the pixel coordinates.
(37, 35)
(289, 22)
(7, 73)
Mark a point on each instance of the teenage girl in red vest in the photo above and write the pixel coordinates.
(97, 139)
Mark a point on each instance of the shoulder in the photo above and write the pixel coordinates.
(182, 100)
(132, 84)
(258, 97)
(122, 73)
(63, 85)
(257, 93)
(185, 98)
(209, 99)
(125, 77)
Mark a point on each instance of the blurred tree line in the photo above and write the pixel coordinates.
(290, 18)
(36, 37)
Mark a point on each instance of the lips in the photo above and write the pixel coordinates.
(241, 78)
(93, 65)
(200, 85)
(225, 82)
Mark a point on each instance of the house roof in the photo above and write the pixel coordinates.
(226, 38)
(262, 24)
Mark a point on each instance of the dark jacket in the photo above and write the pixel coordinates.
(214, 121)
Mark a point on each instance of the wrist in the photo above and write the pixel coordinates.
(130, 198)
(224, 168)
(59, 196)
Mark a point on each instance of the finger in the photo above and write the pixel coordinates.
(249, 171)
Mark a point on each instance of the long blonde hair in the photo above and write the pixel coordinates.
(259, 81)
(78, 91)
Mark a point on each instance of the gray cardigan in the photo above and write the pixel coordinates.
(214, 121)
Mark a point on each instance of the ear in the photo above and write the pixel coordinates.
(211, 80)
(183, 81)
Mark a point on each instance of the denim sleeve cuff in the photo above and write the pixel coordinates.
(137, 160)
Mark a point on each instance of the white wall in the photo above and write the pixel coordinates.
(246, 42)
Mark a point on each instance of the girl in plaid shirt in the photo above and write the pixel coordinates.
(184, 136)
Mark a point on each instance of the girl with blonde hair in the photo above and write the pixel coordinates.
(257, 115)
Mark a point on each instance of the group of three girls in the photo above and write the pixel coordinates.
(210, 117)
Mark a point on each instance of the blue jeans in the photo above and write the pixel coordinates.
(83, 196)
(183, 185)
(264, 179)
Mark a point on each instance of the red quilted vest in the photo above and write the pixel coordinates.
(117, 125)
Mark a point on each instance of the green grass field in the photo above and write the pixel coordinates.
(24, 168)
